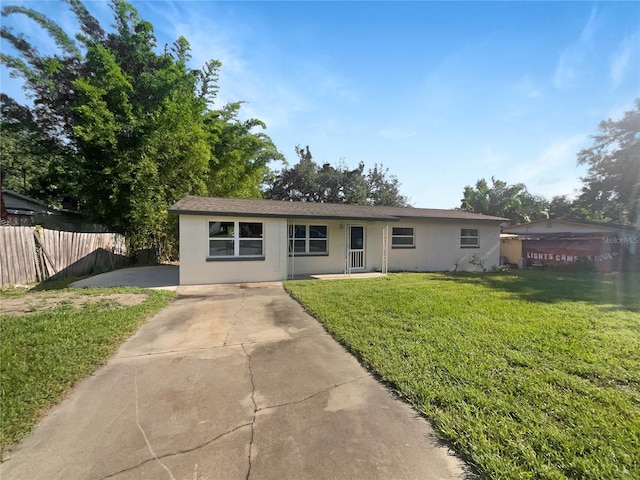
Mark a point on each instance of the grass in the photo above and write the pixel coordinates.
(527, 375)
(44, 353)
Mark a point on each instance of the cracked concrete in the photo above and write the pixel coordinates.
(255, 408)
(231, 382)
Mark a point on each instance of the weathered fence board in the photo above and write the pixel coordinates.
(31, 254)
(17, 256)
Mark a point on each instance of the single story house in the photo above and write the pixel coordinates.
(566, 244)
(229, 240)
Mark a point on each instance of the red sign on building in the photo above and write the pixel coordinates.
(567, 253)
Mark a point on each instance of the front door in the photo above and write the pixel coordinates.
(355, 247)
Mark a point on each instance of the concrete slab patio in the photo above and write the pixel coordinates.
(232, 382)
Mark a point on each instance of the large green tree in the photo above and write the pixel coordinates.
(307, 181)
(503, 200)
(30, 163)
(137, 121)
(239, 158)
(561, 206)
(383, 188)
(612, 184)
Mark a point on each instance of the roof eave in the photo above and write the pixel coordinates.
(208, 213)
(445, 217)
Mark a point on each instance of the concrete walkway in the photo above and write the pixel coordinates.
(231, 382)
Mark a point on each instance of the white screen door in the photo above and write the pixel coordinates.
(355, 247)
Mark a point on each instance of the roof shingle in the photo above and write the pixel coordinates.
(193, 205)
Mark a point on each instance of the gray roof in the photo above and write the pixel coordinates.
(598, 227)
(193, 205)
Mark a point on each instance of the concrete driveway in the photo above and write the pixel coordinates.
(232, 382)
(156, 276)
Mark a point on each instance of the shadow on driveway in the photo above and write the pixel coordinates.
(164, 277)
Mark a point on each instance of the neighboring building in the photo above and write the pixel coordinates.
(569, 244)
(225, 240)
(18, 209)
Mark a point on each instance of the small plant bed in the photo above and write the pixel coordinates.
(53, 338)
(526, 374)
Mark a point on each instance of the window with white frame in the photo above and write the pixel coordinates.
(402, 237)
(469, 238)
(235, 239)
(307, 239)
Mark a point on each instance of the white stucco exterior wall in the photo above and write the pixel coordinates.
(318, 264)
(437, 248)
(197, 269)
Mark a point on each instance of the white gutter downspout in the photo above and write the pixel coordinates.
(291, 254)
(347, 262)
(385, 249)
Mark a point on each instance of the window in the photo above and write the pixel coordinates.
(469, 238)
(235, 239)
(308, 240)
(402, 237)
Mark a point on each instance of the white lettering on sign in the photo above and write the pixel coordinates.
(562, 257)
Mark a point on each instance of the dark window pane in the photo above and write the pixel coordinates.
(299, 246)
(297, 231)
(469, 232)
(357, 238)
(250, 230)
(469, 241)
(220, 229)
(402, 241)
(402, 231)
(318, 231)
(220, 248)
(251, 247)
(317, 246)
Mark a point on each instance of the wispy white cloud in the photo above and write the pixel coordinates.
(328, 83)
(623, 57)
(521, 96)
(572, 58)
(617, 112)
(265, 92)
(252, 70)
(554, 171)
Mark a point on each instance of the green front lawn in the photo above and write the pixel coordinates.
(527, 375)
(50, 340)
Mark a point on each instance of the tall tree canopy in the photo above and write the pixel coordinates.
(561, 206)
(132, 127)
(30, 163)
(307, 181)
(503, 200)
(612, 184)
(238, 164)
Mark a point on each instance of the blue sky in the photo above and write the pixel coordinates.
(440, 93)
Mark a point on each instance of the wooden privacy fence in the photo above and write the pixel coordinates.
(34, 254)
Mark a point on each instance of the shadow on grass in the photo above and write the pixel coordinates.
(613, 292)
(55, 284)
(19, 291)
